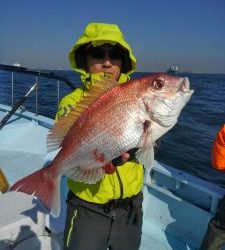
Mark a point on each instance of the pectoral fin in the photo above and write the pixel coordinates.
(145, 154)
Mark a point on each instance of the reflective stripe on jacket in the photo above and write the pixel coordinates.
(218, 150)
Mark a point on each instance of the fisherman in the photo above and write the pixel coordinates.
(215, 235)
(107, 214)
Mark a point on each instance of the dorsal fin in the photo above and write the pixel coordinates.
(61, 128)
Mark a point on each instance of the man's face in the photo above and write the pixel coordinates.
(106, 59)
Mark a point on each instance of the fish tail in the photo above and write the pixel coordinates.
(43, 185)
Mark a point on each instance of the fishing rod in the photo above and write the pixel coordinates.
(27, 71)
(24, 70)
(17, 105)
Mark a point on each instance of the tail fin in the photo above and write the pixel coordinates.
(42, 184)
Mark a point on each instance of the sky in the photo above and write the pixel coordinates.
(191, 34)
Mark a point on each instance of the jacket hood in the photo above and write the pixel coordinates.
(98, 34)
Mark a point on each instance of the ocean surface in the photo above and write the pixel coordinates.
(187, 146)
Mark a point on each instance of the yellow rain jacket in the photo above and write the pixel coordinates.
(128, 180)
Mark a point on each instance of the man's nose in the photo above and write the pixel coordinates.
(107, 61)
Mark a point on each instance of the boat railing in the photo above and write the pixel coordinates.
(37, 74)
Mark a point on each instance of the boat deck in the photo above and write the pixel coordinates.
(177, 206)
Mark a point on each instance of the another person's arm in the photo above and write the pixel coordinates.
(218, 150)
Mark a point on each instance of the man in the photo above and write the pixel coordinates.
(215, 236)
(107, 214)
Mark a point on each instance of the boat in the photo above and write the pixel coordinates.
(17, 64)
(172, 69)
(177, 206)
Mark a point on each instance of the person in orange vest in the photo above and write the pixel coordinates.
(215, 235)
(218, 150)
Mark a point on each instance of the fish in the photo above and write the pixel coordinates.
(110, 120)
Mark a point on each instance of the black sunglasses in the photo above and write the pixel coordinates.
(100, 52)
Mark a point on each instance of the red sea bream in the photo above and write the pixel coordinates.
(110, 120)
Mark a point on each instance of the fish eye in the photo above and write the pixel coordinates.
(158, 84)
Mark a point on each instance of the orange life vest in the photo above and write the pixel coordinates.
(218, 150)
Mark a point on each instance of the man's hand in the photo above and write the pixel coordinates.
(121, 159)
(110, 168)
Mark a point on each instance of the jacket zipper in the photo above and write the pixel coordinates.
(120, 183)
